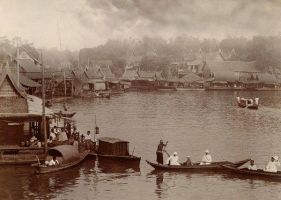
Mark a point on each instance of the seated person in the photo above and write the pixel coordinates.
(53, 162)
(33, 141)
(206, 159)
(252, 165)
(173, 160)
(272, 165)
(50, 140)
(187, 162)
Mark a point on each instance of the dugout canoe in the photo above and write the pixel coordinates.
(67, 155)
(253, 173)
(196, 166)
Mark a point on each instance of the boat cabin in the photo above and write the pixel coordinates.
(113, 146)
(64, 154)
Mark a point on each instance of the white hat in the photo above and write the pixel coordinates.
(175, 153)
(275, 158)
(207, 151)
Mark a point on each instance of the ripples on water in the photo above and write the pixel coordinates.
(191, 121)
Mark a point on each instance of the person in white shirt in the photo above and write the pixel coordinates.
(206, 159)
(272, 165)
(252, 165)
(53, 162)
(173, 160)
(89, 140)
(52, 134)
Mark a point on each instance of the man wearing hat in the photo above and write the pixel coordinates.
(272, 165)
(207, 158)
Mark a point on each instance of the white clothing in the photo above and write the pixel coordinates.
(33, 139)
(89, 137)
(272, 166)
(62, 136)
(53, 163)
(53, 135)
(173, 160)
(206, 159)
(252, 167)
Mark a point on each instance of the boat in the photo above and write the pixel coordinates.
(253, 173)
(65, 114)
(248, 103)
(67, 155)
(115, 149)
(196, 166)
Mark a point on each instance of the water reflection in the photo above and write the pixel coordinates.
(109, 166)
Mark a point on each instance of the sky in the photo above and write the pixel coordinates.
(75, 24)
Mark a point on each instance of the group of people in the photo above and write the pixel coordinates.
(174, 159)
(272, 165)
(73, 137)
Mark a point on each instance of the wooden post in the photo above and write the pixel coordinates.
(64, 81)
(43, 106)
(18, 67)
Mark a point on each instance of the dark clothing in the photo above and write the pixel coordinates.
(159, 156)
(159, 153)
(160, 147)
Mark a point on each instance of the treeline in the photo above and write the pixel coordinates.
(266, 50)
(157, 52)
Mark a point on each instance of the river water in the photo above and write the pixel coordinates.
(191, 121)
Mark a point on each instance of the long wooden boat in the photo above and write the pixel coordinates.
(253, 173)
(68, 156)
(65, 114)
(196, 166)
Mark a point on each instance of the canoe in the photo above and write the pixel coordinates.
(68, 156)
(196, 166)
(65, 114)
(253, 173)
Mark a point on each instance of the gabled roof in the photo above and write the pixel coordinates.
(146, 74)
(7, 75)
(190, 77)
(107, 74)
(129, 74)
(93, 73)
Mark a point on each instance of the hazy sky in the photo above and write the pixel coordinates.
(86, 23)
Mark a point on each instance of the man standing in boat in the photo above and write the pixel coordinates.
(159, 152)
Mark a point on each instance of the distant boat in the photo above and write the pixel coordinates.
(253, 173)
(67, 155)
(248, 103)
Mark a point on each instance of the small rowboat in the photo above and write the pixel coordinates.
(248, 103)
(65, 114)
(67, 155)
(253, 173)
(196, 166)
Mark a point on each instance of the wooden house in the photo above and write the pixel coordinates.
(128, 76)
(94, 79)
(20, 113)
(112, 83)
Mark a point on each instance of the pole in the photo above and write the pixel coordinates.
(43, 106)
(64, 81)
(18, 67)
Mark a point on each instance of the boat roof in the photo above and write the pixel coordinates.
(111, 140)
(68, 152)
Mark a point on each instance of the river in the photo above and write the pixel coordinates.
(191, 121)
